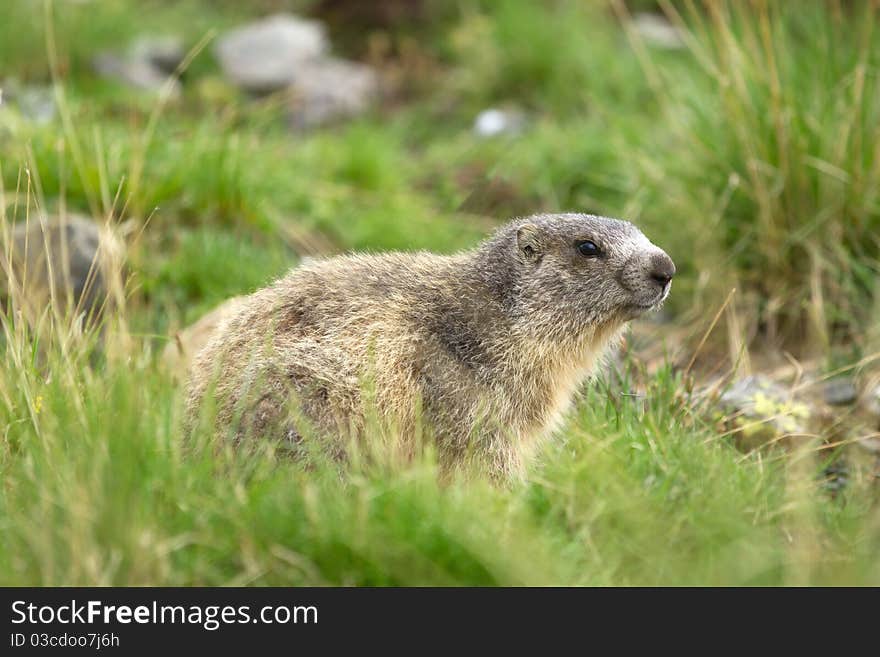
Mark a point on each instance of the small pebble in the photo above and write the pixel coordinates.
(840, 392)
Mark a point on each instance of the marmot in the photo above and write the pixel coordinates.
(482, 350)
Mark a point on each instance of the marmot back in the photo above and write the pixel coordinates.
(483, 350)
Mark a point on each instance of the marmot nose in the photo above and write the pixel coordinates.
(662, 269)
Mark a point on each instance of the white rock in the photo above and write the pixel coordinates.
(34, 103)
(657, 31)
(265, 56)
(330, 89)
(493, 122)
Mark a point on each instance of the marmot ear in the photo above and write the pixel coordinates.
(528, 242)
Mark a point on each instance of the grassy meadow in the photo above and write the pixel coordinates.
(751, 155)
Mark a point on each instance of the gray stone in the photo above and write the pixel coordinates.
(72, 254)
(836, 476)
(493, 122)
(37, 104)
(134, 72)
(328, 90)
(165, 53)
(266, 55)
(657, 31)
(33, 103)
(840, 392)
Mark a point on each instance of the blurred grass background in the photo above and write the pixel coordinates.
(752, 155)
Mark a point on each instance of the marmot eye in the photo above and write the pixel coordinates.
(588, 249)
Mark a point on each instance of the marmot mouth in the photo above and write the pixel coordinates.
(654, 304)
(642, 308)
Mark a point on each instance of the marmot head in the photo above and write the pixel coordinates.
(572, 271)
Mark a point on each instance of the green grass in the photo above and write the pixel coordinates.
(99, 488)
(779, 119)
(768, 183)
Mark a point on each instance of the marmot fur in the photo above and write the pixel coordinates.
(483, 350)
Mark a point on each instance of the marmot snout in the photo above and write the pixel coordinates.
(484, 349)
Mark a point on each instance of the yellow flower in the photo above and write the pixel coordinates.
(38, 404)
